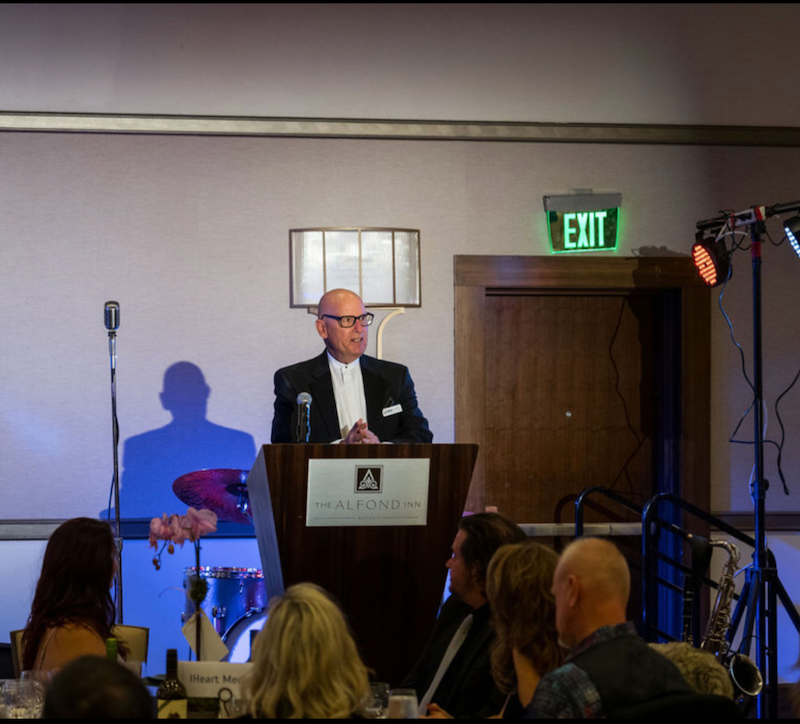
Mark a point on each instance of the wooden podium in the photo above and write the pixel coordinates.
(388, 580)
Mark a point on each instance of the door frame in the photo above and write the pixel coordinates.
(475, 275)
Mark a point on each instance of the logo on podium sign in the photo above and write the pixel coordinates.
(369, 479)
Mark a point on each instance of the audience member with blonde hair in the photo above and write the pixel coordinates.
(518, 584)
(305, 661)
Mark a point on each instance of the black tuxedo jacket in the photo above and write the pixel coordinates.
(385, 384)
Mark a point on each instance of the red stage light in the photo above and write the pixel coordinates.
(711, 259)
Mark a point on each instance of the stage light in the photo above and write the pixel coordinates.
(711, 258)
(792, 229)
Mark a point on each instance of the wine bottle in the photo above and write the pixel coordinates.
(171, 694)
(112, 649)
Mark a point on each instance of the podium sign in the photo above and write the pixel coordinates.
(374, 492)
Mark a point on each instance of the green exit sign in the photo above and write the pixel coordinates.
(576, 231)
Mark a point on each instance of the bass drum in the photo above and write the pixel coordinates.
(232, 593)
(239, 638)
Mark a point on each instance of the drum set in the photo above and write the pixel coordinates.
(236, 602)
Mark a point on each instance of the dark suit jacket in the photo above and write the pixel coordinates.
(467, 689)
(385, 384)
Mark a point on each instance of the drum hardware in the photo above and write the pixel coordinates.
(239, 637)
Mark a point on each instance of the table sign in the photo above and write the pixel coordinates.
(205, 679)
(367, 492)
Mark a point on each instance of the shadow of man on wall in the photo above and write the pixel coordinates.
(153, 460)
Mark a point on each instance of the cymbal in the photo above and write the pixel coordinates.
(223, 491)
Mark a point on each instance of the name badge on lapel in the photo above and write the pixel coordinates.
(393, 410)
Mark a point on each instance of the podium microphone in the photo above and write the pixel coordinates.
(303, 417)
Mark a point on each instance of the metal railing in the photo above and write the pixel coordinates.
(668, 568)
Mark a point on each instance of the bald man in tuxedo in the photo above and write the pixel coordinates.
(357, 399)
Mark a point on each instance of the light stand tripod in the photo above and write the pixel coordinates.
(112, 324)
(758, 600)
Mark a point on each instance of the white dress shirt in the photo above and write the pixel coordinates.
(348, 391)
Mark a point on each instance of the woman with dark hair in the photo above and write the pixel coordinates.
(72, 612)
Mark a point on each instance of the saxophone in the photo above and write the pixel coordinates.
(743, 671)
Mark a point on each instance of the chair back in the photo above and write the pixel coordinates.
(136, 638)
(16, 651)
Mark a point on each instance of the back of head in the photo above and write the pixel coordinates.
(591, 585)
(519, 588)
(700, 668)
(77, 572)
(485, 533)
(601, 569)
(305, 661)
(92, 687)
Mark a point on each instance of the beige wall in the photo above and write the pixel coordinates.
(190, 235)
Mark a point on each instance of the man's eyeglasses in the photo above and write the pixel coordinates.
(348, 321)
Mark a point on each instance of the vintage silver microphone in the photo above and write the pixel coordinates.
(112, 317)
(303, 417)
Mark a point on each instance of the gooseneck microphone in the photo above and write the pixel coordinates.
(303, 417)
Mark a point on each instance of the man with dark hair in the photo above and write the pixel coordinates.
(454, 673)
(92, 687)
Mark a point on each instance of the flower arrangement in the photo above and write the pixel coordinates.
(176, 530)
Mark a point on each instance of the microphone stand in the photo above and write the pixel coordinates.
(762, 587)
(112, 350)
(303, 431)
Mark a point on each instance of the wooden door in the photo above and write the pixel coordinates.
(571, 400)
(573, 372)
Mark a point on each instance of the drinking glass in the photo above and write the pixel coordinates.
(23, 699)
(402, 704)
(40, 675)
(376, 702)
(3, 714)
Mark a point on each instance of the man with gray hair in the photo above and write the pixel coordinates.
(610, 668)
